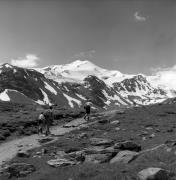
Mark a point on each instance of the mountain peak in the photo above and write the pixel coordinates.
(82, 64)
(6, 65)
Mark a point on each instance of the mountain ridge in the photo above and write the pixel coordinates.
(72, 84)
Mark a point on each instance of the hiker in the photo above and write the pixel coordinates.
(41, 121)
(87, 109)
(49, 117)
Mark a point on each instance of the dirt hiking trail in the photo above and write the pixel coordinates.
(8, 150)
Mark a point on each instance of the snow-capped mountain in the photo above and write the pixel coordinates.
(70, 85)
(78, 70)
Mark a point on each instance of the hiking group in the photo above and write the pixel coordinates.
(46, 118)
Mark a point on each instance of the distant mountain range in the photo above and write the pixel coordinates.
(70, 85)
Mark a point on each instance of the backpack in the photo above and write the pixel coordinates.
(87, 108)
(48, 114)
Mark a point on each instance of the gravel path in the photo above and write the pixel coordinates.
(8, 150)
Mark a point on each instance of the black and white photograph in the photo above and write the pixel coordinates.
(87, 89)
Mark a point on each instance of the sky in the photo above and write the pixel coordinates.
(132, 36)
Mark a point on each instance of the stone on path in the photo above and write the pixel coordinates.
(101, 142)
(115, 122)
(60, 162)
(124, 157)
(98, 158)
(128, 145)
(23, 153)
(152, 136)
(45, 140)
(153, 174)
(100, 150)
(117, 129)
(103, 121)
(82, 135)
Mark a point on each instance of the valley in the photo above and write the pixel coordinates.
(93, 149)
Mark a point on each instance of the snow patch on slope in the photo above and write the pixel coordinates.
(71, 100)
(4, 96)
(51, 89)
(115, 97)
(80, 96)
(45, 99)
(40, 102)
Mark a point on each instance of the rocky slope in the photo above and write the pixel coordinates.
(136, 144)
(72, 84)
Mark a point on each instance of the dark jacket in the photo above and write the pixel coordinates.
(87, 108)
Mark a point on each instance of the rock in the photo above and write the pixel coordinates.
(78, 155)
(71, 149)
(45, 140)
(103, 121)
(38, 153)
(82, 135)
(144, 133)
(152, 136)
(19, 145)
(117, 129)
(143, 138)
(170, 130)
(168, 149)
(60, 162)
(158, 130)
(98, 158)
(149, 128)
(19, 169)
(115, 122)
(5, 133)
(61, 154)
(170, 142)
(84, 126)
(22, 153)
(129, 145)
(2, 138)
(94, 149)
(120, 112)
(153, 174)
(101, 142)
(124, 157)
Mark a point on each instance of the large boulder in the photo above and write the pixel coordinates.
(101, 142)
(128, 145)
(98, 158)
(19, 169)
(60, 162)
(23, 153)
(153, 174)
(100, 150)
(124, 157)
(78, 155)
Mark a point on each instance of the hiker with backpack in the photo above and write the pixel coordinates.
(41, 121)
(49, 117)
(87, 111)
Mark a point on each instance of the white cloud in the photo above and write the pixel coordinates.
(165, 77)
(29, 61)
(139, 18)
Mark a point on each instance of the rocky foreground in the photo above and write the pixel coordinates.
(134, 144)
